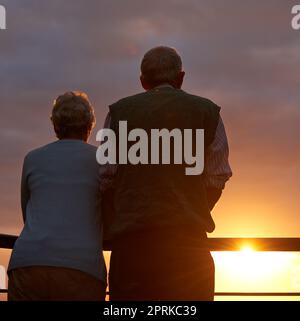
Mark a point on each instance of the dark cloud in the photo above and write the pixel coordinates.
(241, 54)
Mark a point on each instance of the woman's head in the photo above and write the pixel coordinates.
(73, 116)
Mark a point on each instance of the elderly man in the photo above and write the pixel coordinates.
(161, 215)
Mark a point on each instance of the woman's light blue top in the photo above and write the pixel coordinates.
(61, 206)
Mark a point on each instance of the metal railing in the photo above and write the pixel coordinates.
(216, 245)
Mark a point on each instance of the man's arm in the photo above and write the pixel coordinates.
(107, 175)
(217, 170)
(25, 193)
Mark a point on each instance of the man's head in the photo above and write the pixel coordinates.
(73, 116)
(161, 65)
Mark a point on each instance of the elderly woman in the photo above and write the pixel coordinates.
(58, 255)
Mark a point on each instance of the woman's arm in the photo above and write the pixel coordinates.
(25, 193)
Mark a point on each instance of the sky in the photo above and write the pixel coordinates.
(243, 55)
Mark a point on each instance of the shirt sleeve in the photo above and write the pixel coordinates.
(107, 171)
(217, 170)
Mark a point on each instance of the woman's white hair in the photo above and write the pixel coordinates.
(72, 114)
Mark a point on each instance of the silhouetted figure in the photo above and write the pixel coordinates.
(159, 216)
(58, 255)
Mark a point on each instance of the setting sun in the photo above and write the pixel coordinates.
(249, 270)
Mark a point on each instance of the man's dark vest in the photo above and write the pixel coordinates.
(149, 197)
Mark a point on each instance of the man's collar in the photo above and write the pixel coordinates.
(166, 85)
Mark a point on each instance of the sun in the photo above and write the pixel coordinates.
(249, 269)
(250, 263)
(247, 249)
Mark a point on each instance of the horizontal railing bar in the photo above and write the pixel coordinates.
(260, 294)
(7, 241)
(278, 244)
(257, 294)
(214, 244)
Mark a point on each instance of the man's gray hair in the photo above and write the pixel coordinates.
(161, 65)
(72, 114)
